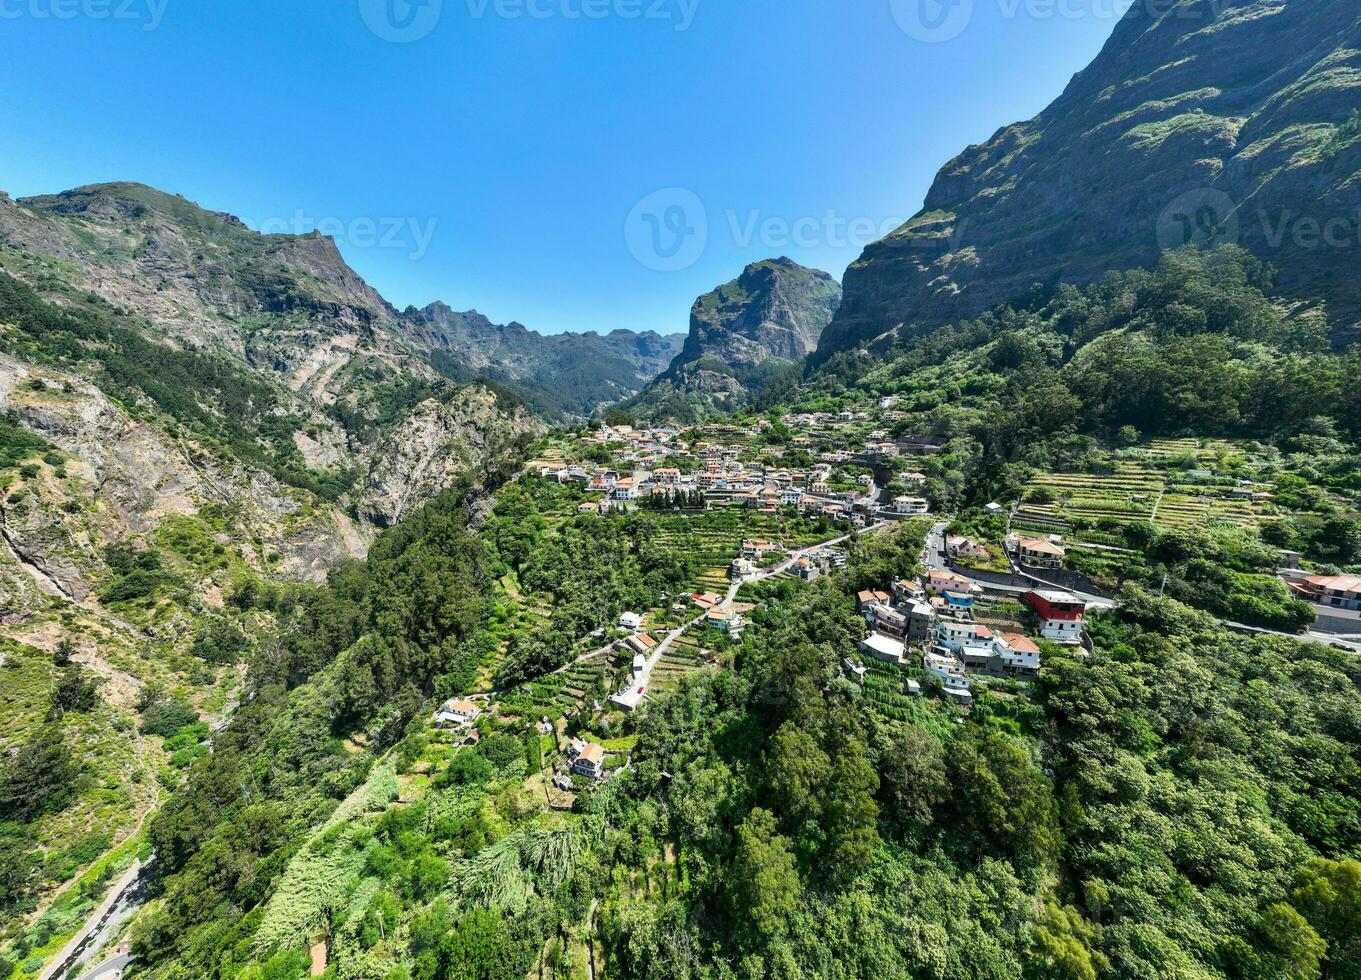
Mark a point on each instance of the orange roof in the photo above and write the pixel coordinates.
(593, 753)
(1041, 547)
(646, 640)
(1021, 643)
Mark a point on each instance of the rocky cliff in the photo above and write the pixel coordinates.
(742, 334)
(1201, 121)
(775, 309)
(271, 344)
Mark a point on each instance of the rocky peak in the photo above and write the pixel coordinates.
(774, 309)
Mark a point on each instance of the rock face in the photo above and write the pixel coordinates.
(1217, 120)
(571, 374)
(332, 373)
(435, 445)
(740, 333)
(775, 309)
(123, 477)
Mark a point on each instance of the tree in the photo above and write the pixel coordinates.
(912, 779)
(1297, 948)
(1058, 946)
(39, 778)
(1329, 895)
(75, 690)
(764, 885)
(1003, 801)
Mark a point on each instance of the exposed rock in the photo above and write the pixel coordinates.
(775, 309)
(740, 333)
(436, 445)
(1234, 120)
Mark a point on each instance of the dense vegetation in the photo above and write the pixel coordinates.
(1193, 347)
(1182, 804)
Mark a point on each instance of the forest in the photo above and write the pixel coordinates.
(1181, 804)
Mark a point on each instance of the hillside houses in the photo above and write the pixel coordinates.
(720, 465)
(933, 626)
(1333, 591)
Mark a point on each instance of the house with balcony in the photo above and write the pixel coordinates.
(1062, 615)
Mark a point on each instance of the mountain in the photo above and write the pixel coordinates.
(1215, 121)
(324, 377)
(560, 375)
(743, 335)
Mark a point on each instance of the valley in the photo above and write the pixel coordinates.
(994, 612)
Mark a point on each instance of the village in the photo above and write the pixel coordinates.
(995, 593)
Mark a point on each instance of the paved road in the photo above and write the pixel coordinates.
(935, 558)
(122, 899)
(110, 969)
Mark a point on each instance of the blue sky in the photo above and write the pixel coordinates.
(572, 164)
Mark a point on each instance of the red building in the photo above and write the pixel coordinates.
(1061, 614)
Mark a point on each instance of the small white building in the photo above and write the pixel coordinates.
(883, 648)
(458, 713)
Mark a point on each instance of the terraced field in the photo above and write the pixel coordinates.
(684, 656)
(715, 539)
(558, 694)
(886, 694)
(1147, 488)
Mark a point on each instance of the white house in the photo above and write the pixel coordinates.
(590, 762)
(949, 670)
(911, 506)
(883, 648)
(458, 713)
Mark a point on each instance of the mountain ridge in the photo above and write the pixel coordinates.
(1160, 140)
(743, 335)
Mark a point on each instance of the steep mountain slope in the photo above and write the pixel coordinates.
(743, 334)
(192, 416)
(1212, 122)
(323, 376)
(562, 374)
